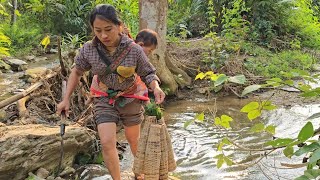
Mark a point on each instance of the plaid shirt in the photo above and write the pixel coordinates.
(89, 59)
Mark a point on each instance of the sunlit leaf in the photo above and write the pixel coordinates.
(254, 114)
(221, 79)
(312, 173)
(315, 156)
(45, 41)
(271, 129)
(17, 13)
(200, 117)
(213, 77)
(187, 123)
(219, 148)
(288, 151)
(226, 140)
(307, 148)
(304, 87)
(200, 76)
(309, 94)
(220, 162)
(250, 107)
(228, 161)
(250, 89)
(240, 79)
(267, 105)
(280, 142)
(289, 82)
(257, 128)
(303, 177)
(209, 73)
(306, 132)
(217, 121)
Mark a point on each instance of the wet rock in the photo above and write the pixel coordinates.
(50, 178)
(33, 177)
(17, 64)
(59, 178)
(42, 173)
(4, 66)
(67, 170)
(93, 171)
(3, 115)
(40, 59)
(29, 58)
(36, 72)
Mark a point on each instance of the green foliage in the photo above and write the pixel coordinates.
(72, 41)
(223, 121)
(271, 65)
(152, 109)
(198, 117)
(23, 36)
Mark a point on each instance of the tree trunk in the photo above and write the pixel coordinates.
(153, 15)
(13, 13)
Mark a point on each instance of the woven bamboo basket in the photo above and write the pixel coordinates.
(155, 156)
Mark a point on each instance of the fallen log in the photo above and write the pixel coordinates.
(26, 92)
(25, 149)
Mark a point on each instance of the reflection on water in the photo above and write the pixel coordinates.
(195, 147)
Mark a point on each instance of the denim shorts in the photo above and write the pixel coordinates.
(131, 114)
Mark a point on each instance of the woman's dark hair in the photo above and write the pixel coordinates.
(148, 37)
(105, 12)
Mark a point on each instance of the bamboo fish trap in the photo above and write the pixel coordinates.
(155, 156)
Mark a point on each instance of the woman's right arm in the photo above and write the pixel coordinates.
(72, 83)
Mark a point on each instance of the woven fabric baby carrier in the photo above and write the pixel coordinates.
(155, 156)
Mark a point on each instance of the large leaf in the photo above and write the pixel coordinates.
(221, 79)
(306, 132)
(280, 142)
(200, 117)
(315, 156)
(257, 128)
(271, 129)
(288, 151)
(254, 114)
(307, 148)
(201, 75)
(250, 107)
(240, 79)
(250, 89)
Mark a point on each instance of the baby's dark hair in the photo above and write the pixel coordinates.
(148, 37)
(105, 12)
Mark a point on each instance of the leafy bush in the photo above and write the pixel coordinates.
(271, 65)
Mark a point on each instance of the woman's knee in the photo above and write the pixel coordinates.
(108, 144)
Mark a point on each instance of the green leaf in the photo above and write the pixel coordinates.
(288, 151)
(187, 123)
(303, 177)
(257, 128)
(254, 114)
(250, 89)
(200, 117)
(280, 142)
(217, 121)
(220, 162)
(225, 140)
(315, 156)
(221, 79)
(249, 107)
(313, 116)
(289, 82)
(225, 121)
(267, 105)
(240, 79)
(312, 173)
(220, 145)
(271, 129)
(228, 161)
(209, 73)
(17, 13)
(307, 148)
(201, 75)
(304, 87)
(306, 132)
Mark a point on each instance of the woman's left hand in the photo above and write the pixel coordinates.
(159, 95)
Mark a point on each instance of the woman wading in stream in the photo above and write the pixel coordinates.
(119, 63)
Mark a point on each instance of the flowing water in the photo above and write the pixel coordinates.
(195, 146)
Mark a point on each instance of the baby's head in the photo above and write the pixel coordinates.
(147, 39)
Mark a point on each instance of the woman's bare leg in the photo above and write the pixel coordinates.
(108, 140)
